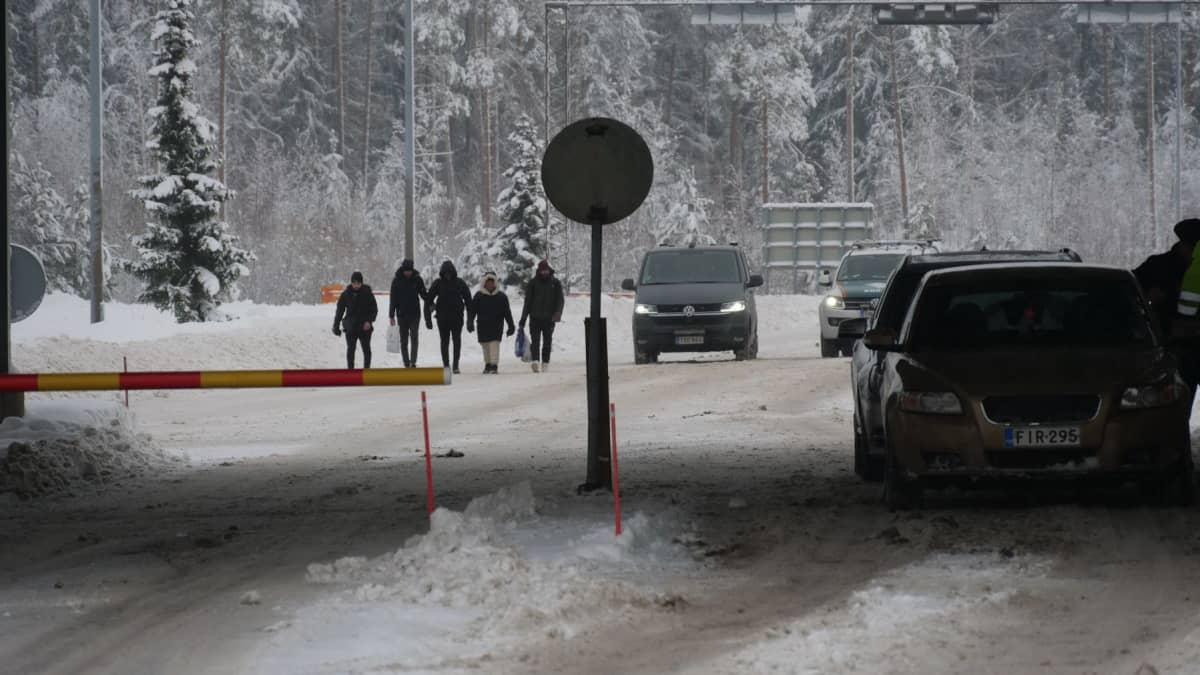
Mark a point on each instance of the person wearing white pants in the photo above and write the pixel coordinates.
(488, 312)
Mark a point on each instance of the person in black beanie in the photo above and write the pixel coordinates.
(450, 296)
(404, 308)
(356, 312)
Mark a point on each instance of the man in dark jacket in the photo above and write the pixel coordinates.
(356, 312)
(543, 308)
(408, 290)
(1161, 276)
(450, 296)
(487, 315)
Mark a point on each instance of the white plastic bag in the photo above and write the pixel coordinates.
(393, 339)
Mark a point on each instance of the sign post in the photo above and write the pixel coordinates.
(597, 171)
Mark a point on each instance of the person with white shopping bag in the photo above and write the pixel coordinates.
(487, 315)
(404, 312)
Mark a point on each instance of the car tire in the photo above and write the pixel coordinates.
(829, 348)
(900, 493)
(868, 468)
(1176, 487)
(644, 357)
(750, 352)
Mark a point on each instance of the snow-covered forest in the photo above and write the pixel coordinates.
(1036, 131)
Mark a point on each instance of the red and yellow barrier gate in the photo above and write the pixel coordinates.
(226, 379)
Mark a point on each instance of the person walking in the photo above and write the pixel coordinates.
(1161, 275)
(355, 317)
(487, 315)
(404, 308)
(543, 308)
(449, 296)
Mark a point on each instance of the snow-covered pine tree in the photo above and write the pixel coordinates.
(187, 258)
(474, 261)
(522, 207)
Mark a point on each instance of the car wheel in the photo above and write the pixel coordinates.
(1177, 487)
(900, 493)
(750, 352)
(829, 348)
(869, 468)
(643, 357)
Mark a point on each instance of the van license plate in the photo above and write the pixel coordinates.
(1041, 437)
(689, 339)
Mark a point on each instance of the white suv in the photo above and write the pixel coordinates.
(853, 290)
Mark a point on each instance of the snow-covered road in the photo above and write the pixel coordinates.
(752, 547)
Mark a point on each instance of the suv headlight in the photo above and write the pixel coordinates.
(735, 306)
(834, 302)
(931, 403)
(1153, 395)
(645, 309)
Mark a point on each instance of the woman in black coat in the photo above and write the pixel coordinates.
(488, 313)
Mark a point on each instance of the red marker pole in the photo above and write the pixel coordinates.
(616, 474)
(125, 359)
(428, 456)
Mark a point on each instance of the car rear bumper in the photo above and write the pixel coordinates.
(1116, 445)
(696, 334)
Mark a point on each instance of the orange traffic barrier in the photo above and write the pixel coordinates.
(226, 379)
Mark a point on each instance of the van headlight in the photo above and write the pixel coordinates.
(1153, 395)
(931, 403)
(645, 309)
(735, 306)
(834, 302)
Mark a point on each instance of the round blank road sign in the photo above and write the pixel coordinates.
(28, 282)
(597, 171)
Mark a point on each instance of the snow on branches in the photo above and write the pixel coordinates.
(187, 257)
(522, 208)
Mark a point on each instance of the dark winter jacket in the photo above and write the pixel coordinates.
(449, 295)
(355, 308)
(407, 294)
(543, 299)
(490, 312)
(1164, 273)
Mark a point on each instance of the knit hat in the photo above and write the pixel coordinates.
(357, 276)
(544, 266)
(1188, 230)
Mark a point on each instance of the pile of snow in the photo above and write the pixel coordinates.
(466, 561)
(478, 579)
(62, 444)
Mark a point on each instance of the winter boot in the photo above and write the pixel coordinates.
(456, 370)
(534, 365)
(545, 366)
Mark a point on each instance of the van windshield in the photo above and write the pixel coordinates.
(872, 267)
(691, 266)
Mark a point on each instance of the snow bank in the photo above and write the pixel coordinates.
(473, 579)
(62, 444)
(59, 337)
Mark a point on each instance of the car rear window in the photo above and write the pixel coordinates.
(1003, 313)
(871, 267)
(691, 266)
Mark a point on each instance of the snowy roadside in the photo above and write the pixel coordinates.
(482, 585)
(60, 446)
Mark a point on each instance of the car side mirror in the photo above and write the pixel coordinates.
(628, 285)
(755, 281)
(881, 340)
(824, 278)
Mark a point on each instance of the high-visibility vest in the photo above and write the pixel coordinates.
(1189, 295)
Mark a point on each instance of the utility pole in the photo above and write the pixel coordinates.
(12, 404)
(899, 132)
(1151, 129)
(96, 222)
(410, 124)
(850, 113)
